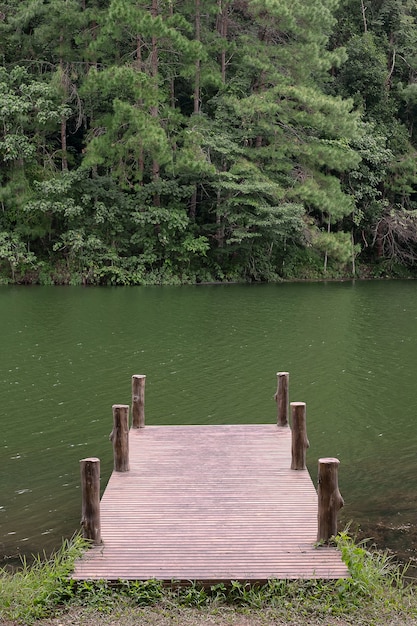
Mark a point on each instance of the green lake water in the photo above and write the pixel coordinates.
(210, 354)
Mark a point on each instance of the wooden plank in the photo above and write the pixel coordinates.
(210, 503)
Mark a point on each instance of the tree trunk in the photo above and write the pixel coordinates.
(379, 241)
(64, 160)
(222, 29)
(139, 44)
(154, 109)
(325, 253)
(193, 204)
(197, 101)
(219, 222)
(391, 66)
(139, 67)
(365, 25)
(353, 254)
(197, 37)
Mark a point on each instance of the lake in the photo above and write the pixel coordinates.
(210, 354)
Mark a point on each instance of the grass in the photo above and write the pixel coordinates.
(35, 590)
(378, 592)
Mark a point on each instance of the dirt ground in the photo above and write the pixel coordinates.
(224, 616)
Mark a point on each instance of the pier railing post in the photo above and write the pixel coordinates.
(138, 400)
(119, 436)
(329, 499)
(90, 489)
(300, 442)
(281, 397)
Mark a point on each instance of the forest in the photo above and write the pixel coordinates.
(192, 141)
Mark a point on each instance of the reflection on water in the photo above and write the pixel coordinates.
(210, 355)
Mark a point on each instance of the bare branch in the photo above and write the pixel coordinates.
(395, 234)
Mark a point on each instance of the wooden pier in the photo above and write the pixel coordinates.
(210, 504)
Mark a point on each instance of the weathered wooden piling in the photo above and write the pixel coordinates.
(281, 398)
(329, 499)
(138, 400)
(90, 489)
(119, 436)
(300, 442)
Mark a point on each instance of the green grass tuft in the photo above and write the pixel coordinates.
(35, 590)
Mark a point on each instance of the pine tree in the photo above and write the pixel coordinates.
(277, 141)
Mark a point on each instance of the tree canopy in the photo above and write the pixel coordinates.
(190, 141)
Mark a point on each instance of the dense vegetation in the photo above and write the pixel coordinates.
(190, 140)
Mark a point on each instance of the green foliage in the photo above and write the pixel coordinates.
(302, 262)
(14, 252)
(180, 142)
(35, 590)
(193, 595)
(142, 593)
(29, 110)
(104, 596)
(380, 42)
(338, 246)
(374, 575)
(363, 76)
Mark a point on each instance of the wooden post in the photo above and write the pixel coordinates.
(90, 489)
(329, 499)
(300, 442)
(119, 436)
(138, 400)
(281, 398)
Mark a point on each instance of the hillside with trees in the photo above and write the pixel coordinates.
(156, 142)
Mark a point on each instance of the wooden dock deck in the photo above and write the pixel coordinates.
(210, 504)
